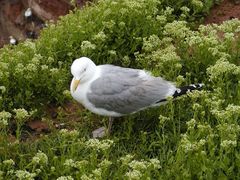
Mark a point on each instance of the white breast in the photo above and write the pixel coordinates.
(80, 95)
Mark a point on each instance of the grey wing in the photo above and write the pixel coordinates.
(122, 90)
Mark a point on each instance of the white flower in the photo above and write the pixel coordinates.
(38, 171)
(126, 159)
(228, 143)
(3, 89)
(191, 124)
(19, 69)
(65, 178)
(81, 164)
(29, 44)
(138, 165)
(4, 117)
(50, 60)
(155, 163)
(69, 163)
(185, 9)
(31, 67)
(36, 59)
(21, 114)
(112, 52)
(109, 24)
(52, 168)
(69, 134)
(161, 19)
(198, 4)
(44, 67)
(40, 158)
(163, 119)
(97, 172)
(229, 36)
(122, 24)
(9, 162)
(54, 71)
(99, 145)
(101, 36)
(168, 11)
(194, 39)
(202, 142)
(87, 45)
(134, 175)
(151, 43)
(25, 175)
(85, 177)
(105, 164)
(177, 29)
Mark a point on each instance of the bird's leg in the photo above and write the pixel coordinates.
(110, 122)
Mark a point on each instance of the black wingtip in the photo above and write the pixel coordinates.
(185, 89)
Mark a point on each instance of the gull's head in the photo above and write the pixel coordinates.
(82, 70)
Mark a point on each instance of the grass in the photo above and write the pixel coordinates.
(195, 136)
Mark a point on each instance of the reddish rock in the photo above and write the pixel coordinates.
(47, 10)
(38, 126)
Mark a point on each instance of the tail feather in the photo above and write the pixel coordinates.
(184, 90)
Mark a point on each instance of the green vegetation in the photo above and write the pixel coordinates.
(193, 137)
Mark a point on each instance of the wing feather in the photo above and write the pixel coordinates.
(126, 91)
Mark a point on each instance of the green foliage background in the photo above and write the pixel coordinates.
(195, 136)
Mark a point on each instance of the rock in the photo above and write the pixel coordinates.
(99, 133)
(38, 126)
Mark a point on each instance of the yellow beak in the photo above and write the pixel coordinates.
(75, 84)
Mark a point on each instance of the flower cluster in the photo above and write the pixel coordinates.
(101, 36)
(222, 69)
(177, 29)
(40, 158)
(4, 117)
(25, 175)
(134, 174)
(138, 168)
(65, 178)
(2, 89)
(9, 162)
(226, 144)
(21, 115)
(87, 46)
(99, 145)
(198, 5)
(191, 124)
(69, 134)
(189, 146)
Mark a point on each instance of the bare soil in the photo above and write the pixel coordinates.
(14, 23)
(227, 9)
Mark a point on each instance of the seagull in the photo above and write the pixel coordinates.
(28, 13)
(12, 40)
(115, 91)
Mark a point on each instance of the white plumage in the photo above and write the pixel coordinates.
(115, 91)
